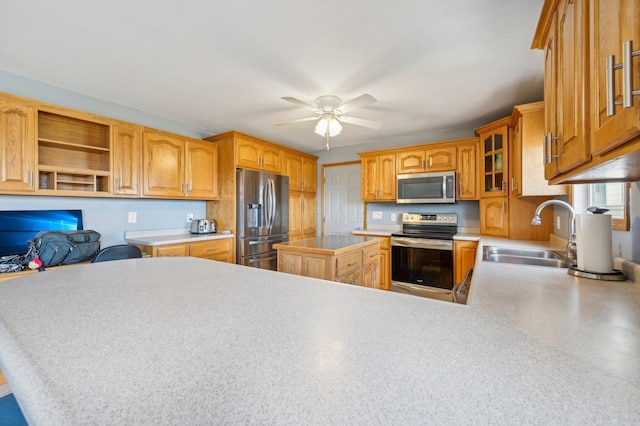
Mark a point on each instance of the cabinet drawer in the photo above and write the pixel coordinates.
(348, 263)
(173, 250)
(354, 278)
(212, 249)
(371, 254)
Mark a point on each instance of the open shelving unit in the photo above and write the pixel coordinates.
(73, 154)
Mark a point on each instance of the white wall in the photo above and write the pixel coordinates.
(110, 216)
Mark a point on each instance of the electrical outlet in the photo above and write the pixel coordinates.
(133, 217)
(394, 217)
(376, 215)
(190, 217)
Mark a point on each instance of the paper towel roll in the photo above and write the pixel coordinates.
(593, 241)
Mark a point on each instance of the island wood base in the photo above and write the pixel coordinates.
(343, 258)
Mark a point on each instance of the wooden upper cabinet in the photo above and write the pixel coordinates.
(301, 171)
(494, 158)
(201, 166)
(526, 164)
(427, 160)
(566, 137)
(163, 165)
(616, 23)
(17, 146)
(177, 167)
(378, 177)
(588, 126)
(258, 155)
(126, 159)
(467, 171)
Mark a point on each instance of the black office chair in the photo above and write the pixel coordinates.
(123, 251)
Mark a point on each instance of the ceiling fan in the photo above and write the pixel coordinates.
(330, 113)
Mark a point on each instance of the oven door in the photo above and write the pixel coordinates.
(422, 262)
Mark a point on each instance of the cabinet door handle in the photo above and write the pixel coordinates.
(627, 70)
(513, 184)
(627, 78)
(30, 177)
(504, 207)
(210, 249)
(373, 255)
(610, 86)
(352, 263)
(548, 148)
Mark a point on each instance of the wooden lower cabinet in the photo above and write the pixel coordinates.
(464, 257)
(359, 265)
(302, 215)
(219, 249)
(385, 260)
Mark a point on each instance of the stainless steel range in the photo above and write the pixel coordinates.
(422, 255)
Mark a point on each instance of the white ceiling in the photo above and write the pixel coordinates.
(433, 65)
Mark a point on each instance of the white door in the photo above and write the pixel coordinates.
(343, 206)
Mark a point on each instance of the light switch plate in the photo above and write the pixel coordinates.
(133, 217)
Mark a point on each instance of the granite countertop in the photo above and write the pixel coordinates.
(331, 244)
(160, 237)
(186, 340)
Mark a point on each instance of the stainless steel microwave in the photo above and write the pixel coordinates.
(427, 188)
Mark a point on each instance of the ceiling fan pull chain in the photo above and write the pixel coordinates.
(327, 139)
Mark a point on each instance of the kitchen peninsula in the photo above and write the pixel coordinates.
(182, 340)
(343, 258)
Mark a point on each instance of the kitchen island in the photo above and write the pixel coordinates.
(343, 258)
(191, 341)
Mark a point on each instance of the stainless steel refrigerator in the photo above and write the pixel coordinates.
(262, 217)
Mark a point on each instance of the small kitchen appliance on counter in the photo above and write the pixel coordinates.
(204, 226)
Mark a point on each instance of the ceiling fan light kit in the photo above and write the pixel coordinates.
(331, 112)
(330, 124)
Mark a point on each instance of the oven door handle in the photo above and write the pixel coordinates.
(420, 288)
(422, 243)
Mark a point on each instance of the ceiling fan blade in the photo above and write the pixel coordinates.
(299, 120)
(359, 102)
(299, 103)
(371, 124)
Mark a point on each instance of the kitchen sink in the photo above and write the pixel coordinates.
(525, 256)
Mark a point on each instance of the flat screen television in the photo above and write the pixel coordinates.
(17, 227)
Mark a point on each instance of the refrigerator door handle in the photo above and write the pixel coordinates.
(275, 202)
(267, 203)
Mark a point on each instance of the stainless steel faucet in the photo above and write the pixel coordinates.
(571, 244)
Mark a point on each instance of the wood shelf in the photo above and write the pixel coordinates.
(72, 146)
